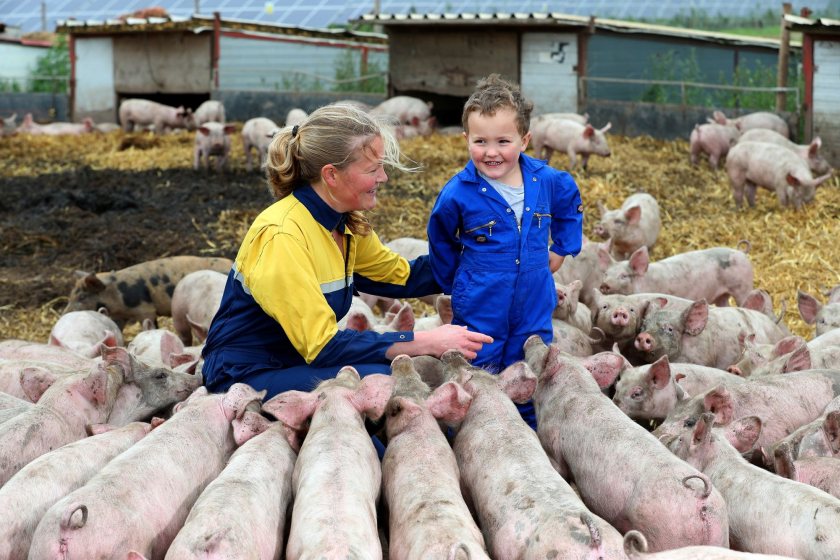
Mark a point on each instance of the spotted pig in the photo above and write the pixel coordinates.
(138, 292)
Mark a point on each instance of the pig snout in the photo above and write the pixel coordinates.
(620, 317)
(605, 289)
(644, 342)
(601, 232)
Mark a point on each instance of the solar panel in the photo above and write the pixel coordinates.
(322, 13)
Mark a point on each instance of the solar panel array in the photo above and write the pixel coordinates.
(27, 14)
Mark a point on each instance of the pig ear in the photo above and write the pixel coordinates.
(198, 331)
(518, 382)
(719, 402)
(118, 355)
(373, 394)
(808, 307)
(134, 555)
(787, 345)
(574, 292)
(605, 260)
(831, 427)
(91, 283)
(238, 398)
(702, 434)
(54, 341)
(230, 129)
(358, 322)
(799, 360)
(792, 180)
(601, 208)
(94, 386)
(204, 130)
(744, 432)
(607, 127)
(443, 304)
(659, 374)
(604, 367)
(404, 319)
(170, 344)
(251, 424)
(588, 131)
(696, 317)
(35, 381)
(449, 403)
(754, 300)
(633, 215)
(639, 261)
(783, 462)
(148, 324)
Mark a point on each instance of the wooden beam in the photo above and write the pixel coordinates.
(784, 55)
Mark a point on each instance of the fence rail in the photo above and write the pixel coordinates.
(35, 83)
(295, 80)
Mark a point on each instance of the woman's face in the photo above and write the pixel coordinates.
(355, 186)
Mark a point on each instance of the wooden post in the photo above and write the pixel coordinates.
(784, 54)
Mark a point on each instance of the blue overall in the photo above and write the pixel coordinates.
(496, 271)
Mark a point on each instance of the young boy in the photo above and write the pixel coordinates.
(491, 226)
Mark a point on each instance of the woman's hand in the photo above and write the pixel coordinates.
(437, 341)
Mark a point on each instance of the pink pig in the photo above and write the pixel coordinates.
(819, 472)
(635, 545)
(337, 475)
(50, 477)
(136, 504)
(257, 133)
(571, 138)
(421, 481)
(712, 139)
(824, 317)
(411, 115)
(759, 119)
(524, 507)
(636, 224)
(143, 112)
(196, 299)
(11, 406)
(672, 503)
(212, 139)
(85, 331)
(810, 153)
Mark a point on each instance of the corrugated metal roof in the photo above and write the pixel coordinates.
(199, 24)
(568, 20)
(804, 24)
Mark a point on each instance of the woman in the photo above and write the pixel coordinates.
(304, 255)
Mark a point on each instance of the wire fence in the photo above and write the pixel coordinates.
(34, 83)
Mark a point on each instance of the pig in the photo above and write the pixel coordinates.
(650, 392)
(824, 317)
(209, 111)
(760, 119)
(195, 301)
(59, 417)
(337, 475)
(701, 334)
(412, 116)
(212, 139)
(752, 164)
(635, 546)
(820, 472)
(420, 478)
(129, 506)
(160, 347)
(808, 528)
(257, 133)
(409, 248)
(295, 116)
(573, 340)
(61, 128)
(50, 477)
(8, 125)
(714, 140)
(11, 406)
(19, 377)
(256, 484)
(107, 127)
(443, 315)
(584, 267)
(783, 402)
(797, 355)
(85, 331)
(810, 153)
(571, 138)
(575, 117)
(143, 112)
(818, 438)
(585, 433)
(567, 308)
(44, 353)
(636, 224)
(360, 318)
(712, 274)
(524, 507)
(756, 356)
(138, 292)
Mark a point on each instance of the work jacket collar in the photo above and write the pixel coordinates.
(320, 210)
(527, 163)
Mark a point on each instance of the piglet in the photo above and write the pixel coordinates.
(584, 432)
(138, 501)
(256, 484)
(636, 224)
(209, 111)
(27, 379)
(257, 133)
(820, 472)
(759, 119)
(85, 331)
(196, 299)
(144, 112)
(27, 496)
(808, 528)
(571, 138)
(25, 350)
(584, 267)
(337, 475)
(523, 505)
(568, 308)
(295, 116)
(11, 406)
(824, 317)
(428, 517)
(212, 139)
(411, 115)
(810, 153)
(818, 438)
(712, 139)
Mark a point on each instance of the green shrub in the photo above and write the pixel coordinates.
(52, 69)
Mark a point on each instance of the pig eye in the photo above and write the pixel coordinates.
(160, 375)
(622, 277)
(689, 422)
(604, 307)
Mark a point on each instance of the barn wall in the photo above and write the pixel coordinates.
(94, 79)
(549, 71)
(149, 63)
(18, 62)
(449, 61)
(247, 63)
(243, 105)
(826, 97)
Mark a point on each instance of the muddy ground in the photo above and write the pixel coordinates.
(104, 202)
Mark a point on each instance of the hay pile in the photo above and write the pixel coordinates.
(790, 250)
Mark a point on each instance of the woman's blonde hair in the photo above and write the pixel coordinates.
(334, 134)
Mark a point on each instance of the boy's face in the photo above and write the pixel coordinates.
(495, 144)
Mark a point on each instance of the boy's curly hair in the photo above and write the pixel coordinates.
(493, 93)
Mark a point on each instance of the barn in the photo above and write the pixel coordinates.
(644, 78)
(821, 69)
(254, 68)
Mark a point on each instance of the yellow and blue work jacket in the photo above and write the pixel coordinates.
(289, 285)
(495, 268)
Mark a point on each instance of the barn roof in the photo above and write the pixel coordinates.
(819, 26)
(543, 19)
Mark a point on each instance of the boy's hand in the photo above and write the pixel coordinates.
(554, 261)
